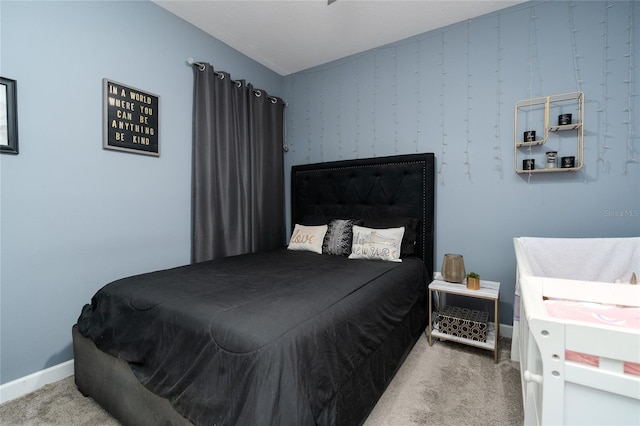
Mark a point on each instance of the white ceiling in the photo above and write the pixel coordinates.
(292, 35)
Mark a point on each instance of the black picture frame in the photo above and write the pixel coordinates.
(8, 116)
(130, 119)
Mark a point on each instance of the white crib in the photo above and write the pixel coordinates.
(557, 391)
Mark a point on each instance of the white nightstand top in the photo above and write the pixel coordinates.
(488, 289)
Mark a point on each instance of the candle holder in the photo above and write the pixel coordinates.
(564, 119)
(552, 160)
(568, 162)
(529, 136)
(528, 164)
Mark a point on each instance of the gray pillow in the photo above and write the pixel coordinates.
(338, 238)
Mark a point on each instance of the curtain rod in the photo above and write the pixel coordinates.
(190, 61)
(239, 83)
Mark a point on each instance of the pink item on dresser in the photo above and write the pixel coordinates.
(598, 313)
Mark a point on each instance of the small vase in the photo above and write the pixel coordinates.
(453, 268)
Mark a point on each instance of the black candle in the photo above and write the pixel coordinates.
(564, 119)
(528, 164)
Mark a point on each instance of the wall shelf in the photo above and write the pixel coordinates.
(560, 128)
(533, 113)
(532, 143)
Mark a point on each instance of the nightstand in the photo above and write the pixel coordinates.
(489, 290)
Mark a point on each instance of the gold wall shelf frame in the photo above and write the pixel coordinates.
(532, 112)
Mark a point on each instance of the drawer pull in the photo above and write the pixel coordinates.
(530, 377)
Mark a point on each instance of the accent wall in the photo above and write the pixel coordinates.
(452, 91)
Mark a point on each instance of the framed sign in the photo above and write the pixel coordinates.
(130, 119)
(8, 116)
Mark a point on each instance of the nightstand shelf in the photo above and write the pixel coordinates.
(489, 290)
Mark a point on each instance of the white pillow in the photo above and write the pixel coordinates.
(369, 243)
(307, 238)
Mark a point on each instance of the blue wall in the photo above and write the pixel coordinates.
(75, 216)
(452, 92)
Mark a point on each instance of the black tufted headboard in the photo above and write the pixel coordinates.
(397, 186)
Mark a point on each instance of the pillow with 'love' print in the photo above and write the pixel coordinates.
(307, 238)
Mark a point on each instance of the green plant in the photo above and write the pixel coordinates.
(473, 275)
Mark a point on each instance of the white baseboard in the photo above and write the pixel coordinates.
(506, 331)
(515, 345)
(35, 381)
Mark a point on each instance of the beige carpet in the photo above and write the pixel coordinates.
(450, 384)
(444, 385)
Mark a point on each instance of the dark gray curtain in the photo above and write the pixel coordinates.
(238, 168)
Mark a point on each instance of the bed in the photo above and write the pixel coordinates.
(288, 337)
(578, 330)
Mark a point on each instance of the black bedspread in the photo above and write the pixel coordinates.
(261, 339)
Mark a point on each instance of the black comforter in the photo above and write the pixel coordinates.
(267, 338)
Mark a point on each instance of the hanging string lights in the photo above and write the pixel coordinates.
(533, 60)
(418, 97)
(498, 130)
(394, 83)
(443, 135)
(632, 151)
(467, 161)
(576, 66)
(368, 92)
(375, 98)
(290, 134)
(358, 108)
(574, 49)
(338, 106)
(308, 120)
(322, 116)
(604, 134)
